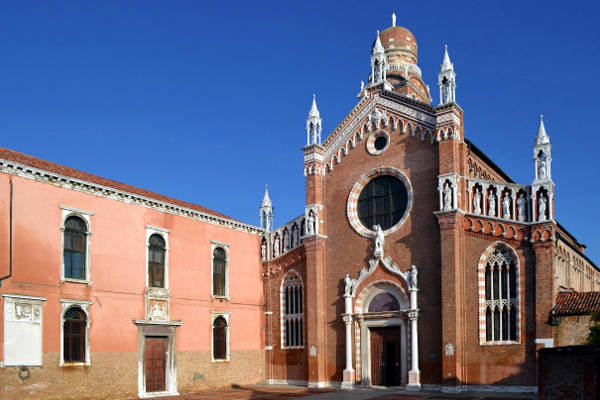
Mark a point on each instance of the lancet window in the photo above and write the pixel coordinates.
(292, 307)
(501, 296)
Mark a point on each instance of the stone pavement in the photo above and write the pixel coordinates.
(280, 392)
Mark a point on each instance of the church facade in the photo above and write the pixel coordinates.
(417, 262)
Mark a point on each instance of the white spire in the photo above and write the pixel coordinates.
(377, 47)
(446, 64)
(266, 202)
(542, 137)
(393, 18)
(313, 124)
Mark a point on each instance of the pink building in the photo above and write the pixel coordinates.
(116, 291)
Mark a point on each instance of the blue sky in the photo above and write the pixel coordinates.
(206, 101)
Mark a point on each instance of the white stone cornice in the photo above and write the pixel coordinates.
(15, 168)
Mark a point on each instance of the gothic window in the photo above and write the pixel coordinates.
(74, 330)
(219, 272)
(500, 298)
(219, 329)
(293, 312)
(382, 202)
(156, 261)
(74, 251)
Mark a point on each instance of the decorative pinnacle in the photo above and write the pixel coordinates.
(542, 136)
(378, 47)
(446, 64)
(393, 18)
(314, 111)
(266, 199)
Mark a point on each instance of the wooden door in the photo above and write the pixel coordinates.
(155, 363)
(385, 356)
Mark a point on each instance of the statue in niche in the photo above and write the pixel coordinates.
(376, 72)
(276, 247)
(542, 203)
(521, 207)
(263, 250)
(492, 204)
(310, 223)
(542, 169)
(477, 201)
(296, 237)
(379, 240)
(447, 197)
(506, 205)
(286, 241)
(413, 276)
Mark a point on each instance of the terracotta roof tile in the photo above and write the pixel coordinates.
(38, 163)
(577, 303)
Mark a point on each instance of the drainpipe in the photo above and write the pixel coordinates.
(10, 235)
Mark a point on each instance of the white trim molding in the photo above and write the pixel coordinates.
(84, 305)
(164, 233)
(213, 246)
(213, 317)
(84, 215)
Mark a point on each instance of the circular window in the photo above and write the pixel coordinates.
(380, 143)
(382, 196)
(382, 202)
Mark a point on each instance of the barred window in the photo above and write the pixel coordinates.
(220, 339)
(382, 202)
(293, 312)
(501, 297)
(156, 261)
(74, 329)
(74, 251)
(219, 271)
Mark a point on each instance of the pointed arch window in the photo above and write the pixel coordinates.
(156, 261)
(499, 300)
(292, 306)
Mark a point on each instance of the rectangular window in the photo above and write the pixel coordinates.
(22, 330)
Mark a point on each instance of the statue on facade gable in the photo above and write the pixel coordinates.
(492, 204)
(477, 202)
(296, 237)
(276, 247)
(521, 207)
(286, 241)
(379, 240)
(447, 197)
(542, 170)
(506, 206)
(542, 202)
(263, 250)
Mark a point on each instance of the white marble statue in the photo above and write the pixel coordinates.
(348, 285)
(542, 203)
(286, 241)
(413, 277)
(477, 202)
(521, 207)
(506, 206)
(447, 197)
(542, 170)
(296, 237)
(276, 247)
(310, 224)
(263, 251)
(492, 205)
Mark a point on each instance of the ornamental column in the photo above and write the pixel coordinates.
(349, 377)
(414, 375)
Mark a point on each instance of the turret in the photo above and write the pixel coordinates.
(378, 62)
(447, 80)
(266, 211)
(313, 125)
(541, 154)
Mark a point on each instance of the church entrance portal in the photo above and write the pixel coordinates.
(386, 367)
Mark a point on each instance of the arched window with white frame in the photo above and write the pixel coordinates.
(292, 311)
(499, 295)
(76, 232)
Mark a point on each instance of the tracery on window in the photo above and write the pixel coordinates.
(293, 312)
(382, 202)
(501, 296)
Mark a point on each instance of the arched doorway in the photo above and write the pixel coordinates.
(383, 348)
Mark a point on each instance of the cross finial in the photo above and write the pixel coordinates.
(393, 18)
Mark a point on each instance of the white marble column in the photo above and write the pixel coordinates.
(414, 375)
(349, 377)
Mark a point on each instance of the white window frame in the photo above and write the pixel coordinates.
(284, 316)
(214, 316)
(86, 216)
(36, 318)
(214, 245)
(164, 233)
(84, 305)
